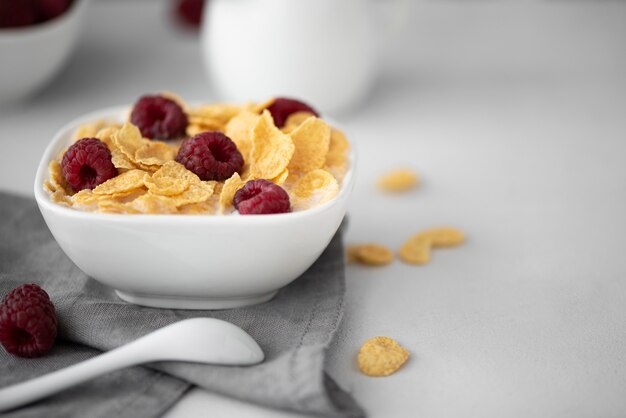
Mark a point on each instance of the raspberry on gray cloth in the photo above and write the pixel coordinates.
(28, 322)
(294, 330)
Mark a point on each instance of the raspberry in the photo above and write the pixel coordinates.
(260, 197)
(49, 9)
(190, 11)
(17, 13)
(159, 117)
(283, 107)
(211, 155)
(87, 163)
(28, 323)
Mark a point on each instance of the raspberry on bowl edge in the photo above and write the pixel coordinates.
(28, 323)
(21, 13)
(211, 156)
(282, 107)
(158, 117)
(189, 12)
(261, 197)
(87, 163)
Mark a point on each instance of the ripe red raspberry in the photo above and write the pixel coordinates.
(261, 197)
(159, 118)
(49, 9)
(87, 163)
(211, 155)
(283, 107)
(17, 13)
(28, 323)
(190, 12)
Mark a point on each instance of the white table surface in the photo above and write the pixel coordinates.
(515, 116)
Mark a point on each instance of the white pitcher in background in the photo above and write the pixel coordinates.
(324, 52)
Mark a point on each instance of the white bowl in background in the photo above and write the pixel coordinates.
(189, 261)
(31, 55)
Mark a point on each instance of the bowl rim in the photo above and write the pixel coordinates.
(42, 27)
(115, 112)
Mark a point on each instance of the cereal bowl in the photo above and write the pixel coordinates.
(189, 261)
(32, 55)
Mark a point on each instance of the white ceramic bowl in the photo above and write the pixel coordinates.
(31, 55)
(187, 261)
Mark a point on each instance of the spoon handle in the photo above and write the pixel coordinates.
(46, 385)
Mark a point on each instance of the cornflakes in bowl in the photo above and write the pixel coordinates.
(163, 235)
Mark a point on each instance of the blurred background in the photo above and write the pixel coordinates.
(512, 111)
(422, 65)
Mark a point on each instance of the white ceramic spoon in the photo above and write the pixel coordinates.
(199, 340)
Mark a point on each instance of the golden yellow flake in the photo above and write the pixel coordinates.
(416, 250)
(239, 129)
(125, 182)
(227, 195)
(271, 149)
(311, 140)
(370, 254)
(381, 356)
(398, 180)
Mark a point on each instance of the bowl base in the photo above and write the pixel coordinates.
(186, 302)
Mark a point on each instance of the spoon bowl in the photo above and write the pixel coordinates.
(199, 340)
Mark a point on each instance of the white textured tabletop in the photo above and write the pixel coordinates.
(515, 116)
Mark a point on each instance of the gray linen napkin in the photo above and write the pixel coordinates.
(293, 330)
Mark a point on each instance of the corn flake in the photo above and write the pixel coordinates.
(128, 140)
(371, 254)
(112, 206)
(89, 130)
(118, 158)
(193, 130)
(176, 170)
(281, 178)
(219, 112)
(444, 236)
(227, 195)
(314, 188)
(57, 181)
(398, 181)
(85, 197)
(122, 183)
(166, 186)
(295, 119)
(271, 149)
(338, 147)
(201, 208)
(258, 108)
(239, 129)
(59, 196)
(381, 356)
(153, 204)
(106, 135)
(47, 186)
(311, 140)
(416, 250)
(195, 193)
(155, 153)
(199, 124)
